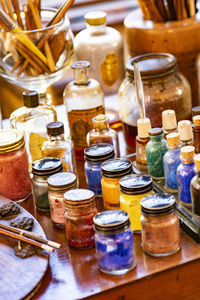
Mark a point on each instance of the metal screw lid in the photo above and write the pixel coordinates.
(62, 181)
(157, 204)
(116, 168)
(136, 184)
(99, 152)
(78, 197)
(31, 98)
(55, 128)
(10, 140)
(47, 166)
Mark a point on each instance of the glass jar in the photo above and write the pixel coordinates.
(80, 209)
(114, 242)
(195, 188)
(58, 184)
(164, 88)
(94, 157)
(132, 189)
(42, 169)
(112, 171)
(15, 182)
(160, 225)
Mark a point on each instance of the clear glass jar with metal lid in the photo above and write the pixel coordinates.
(58, 184)
(15, 182)
(114, 242)
(160, 225)
(42, 169)
(112, 171)
(132, 189)
(80, 208)
(164, 88)
(94, 157)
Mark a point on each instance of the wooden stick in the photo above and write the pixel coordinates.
(17, 11)
(60, 13)
(9, 6)
(25, 239)
(191, 8)
(3, 5)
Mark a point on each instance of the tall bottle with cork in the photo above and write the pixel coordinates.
(143, 126)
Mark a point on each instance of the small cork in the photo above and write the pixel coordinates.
(185, 130)
(173, 139)
(100, 121)
(196, 120)
(187, 151)
(197, 161)
(169, 119)
(143, 126)
(100, 117)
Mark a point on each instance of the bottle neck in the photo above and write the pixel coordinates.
(81, 76)
(187, 161)
(101, 129)
(97, 29)
(59, 137)
(156, 138)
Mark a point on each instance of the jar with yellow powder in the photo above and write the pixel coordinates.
(132, 190)
(112, 171)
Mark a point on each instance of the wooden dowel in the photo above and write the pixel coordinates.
(17, 11)
(9, 6)
(61, 12)
(3, 6)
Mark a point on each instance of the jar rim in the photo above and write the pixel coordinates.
(10, 140)
(95, 153)
(47, 166)
(61, 181)
(135, 184)
(118, 167)
(157, 204)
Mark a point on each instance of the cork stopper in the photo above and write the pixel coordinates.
(197, 161)
(187, 152)
(196, 120)
(196, 111)
(100, 121)
(185, 130)
(173, 139)
(169, 119)
(143, 126)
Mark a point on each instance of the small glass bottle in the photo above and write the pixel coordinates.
(143, 126)
(31, 119)
(196, 132)
(185, 131)
(80, 210)
(195, 111)
(94, 157)
(103, 134)
(185, 172)
(160, 225)
(42, 169)
(133, 189)
(84, 99)
(114, 242)
(169, 123)
(195, 188)
(112, 171)
(171, 161)
(58, 184)
(58, 146)
(15, 182)
(155, 151)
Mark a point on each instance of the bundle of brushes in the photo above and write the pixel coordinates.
(168, 10)
(35, 53)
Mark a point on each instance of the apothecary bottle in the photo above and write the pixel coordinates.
(94, 157)
(196, 133)
(31, 119)
(195, 187)
(58, 146)
(42, 169)
(185, 172)
(84, 99)
(133, 189)
(143, 127)
(160, 225)
(80, 210)
(103, 134)
(58, 184)
(195, 111)
(114, 242)
(171, 161)
(169, 123)
(164, 88)
(112, 171)
(155, 151)
(15, 182)
(185, 131)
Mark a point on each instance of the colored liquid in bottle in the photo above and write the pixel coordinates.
(130, 133)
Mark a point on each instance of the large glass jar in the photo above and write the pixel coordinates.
(164, 88)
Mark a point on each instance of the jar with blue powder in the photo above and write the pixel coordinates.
(94, 157)
(114, 242)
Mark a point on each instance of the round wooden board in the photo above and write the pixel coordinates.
(19, 277)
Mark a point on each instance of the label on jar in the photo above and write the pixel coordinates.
(109, 69)
(57, 211)
(80, 123)
(35, 145)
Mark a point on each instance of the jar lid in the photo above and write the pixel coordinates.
(185, 130)
(95, 18)
(61, 181)
(111, 220)
(187, 151)
(10, 140)
(143, 127)
(101, 121)
(31, 98)
(115, 168)
(169, 119)
(55, 128)
(78, 197)
(99, 152)
(196, 120)
(157, 204)
(136, 184)
(46, 166)
(197, 161)
(152, 65)
(173, 139)
(155, 131)
(196, 111)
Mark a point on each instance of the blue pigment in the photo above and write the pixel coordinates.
(171, 162)
(93, 177)
(185, 173)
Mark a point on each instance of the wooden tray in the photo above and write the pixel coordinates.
(19, 278)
